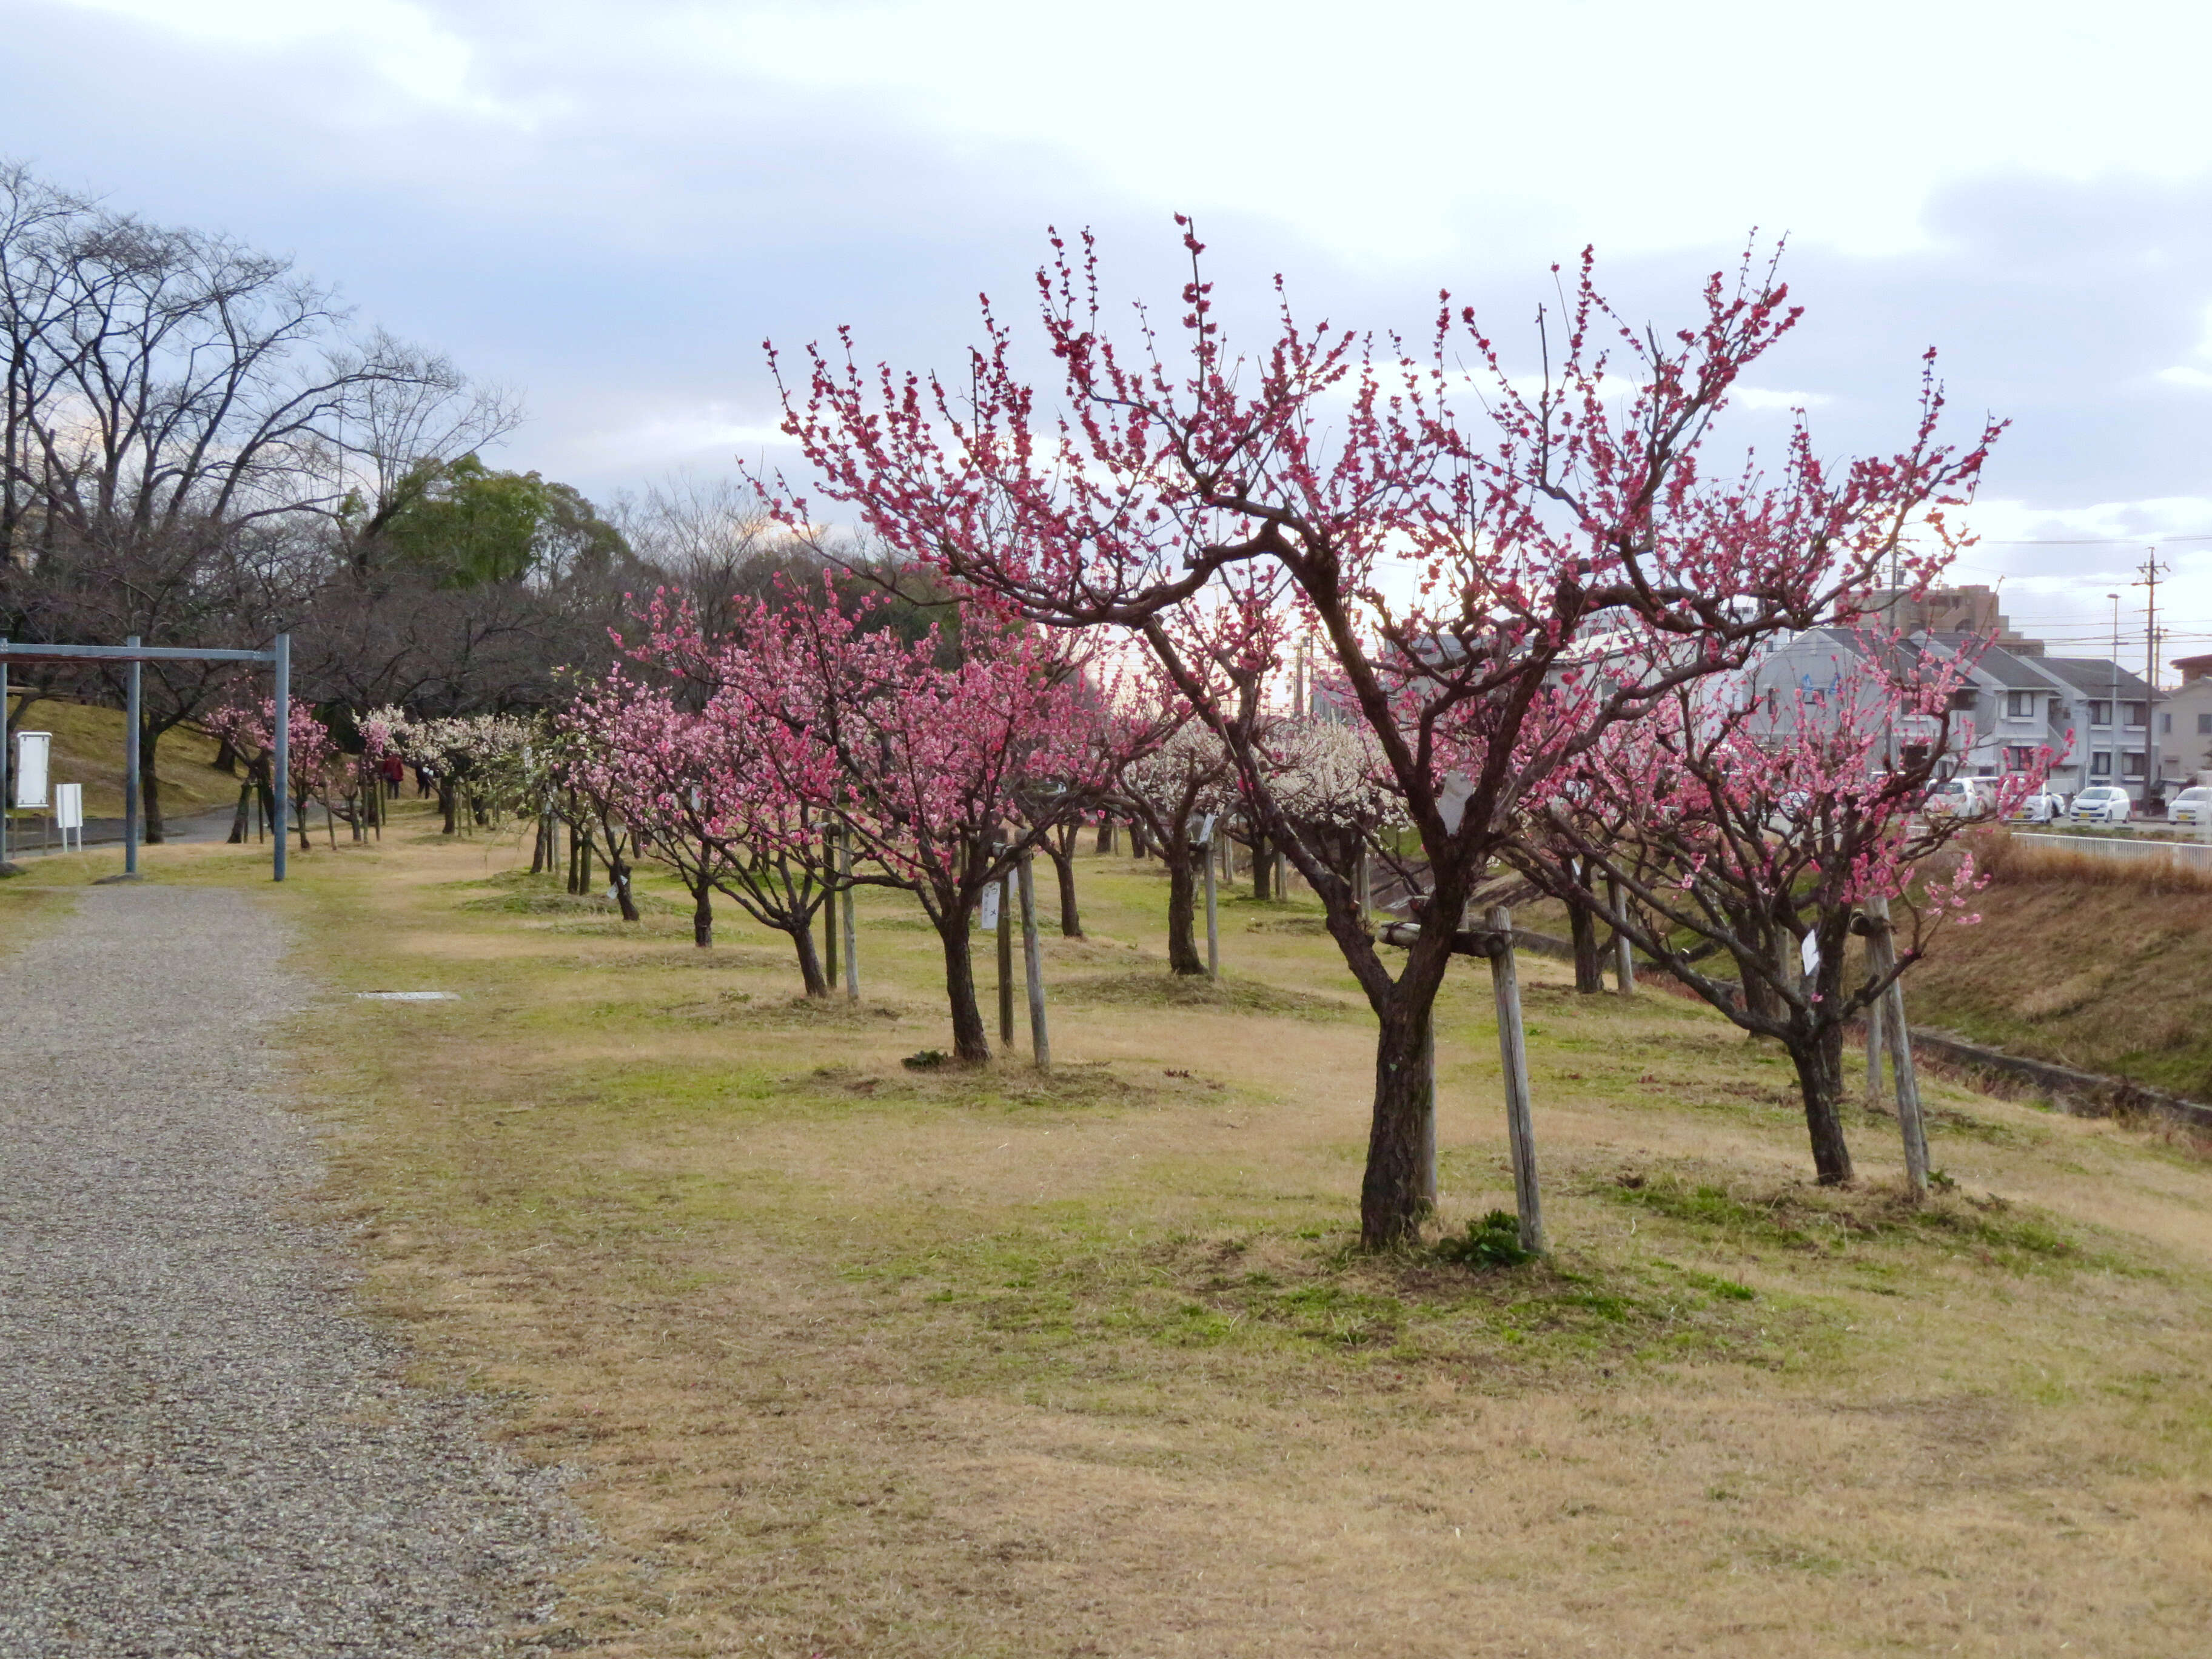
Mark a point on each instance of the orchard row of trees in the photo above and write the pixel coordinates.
(1073, 571)
(1540, 597)
(808, 749)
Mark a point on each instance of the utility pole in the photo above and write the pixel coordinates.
(2112, 727)
(2151, 569)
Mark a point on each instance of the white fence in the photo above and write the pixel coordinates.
(2196, 852)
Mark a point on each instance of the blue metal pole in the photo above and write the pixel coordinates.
(131, 705)
(280, 758)
(5, 747)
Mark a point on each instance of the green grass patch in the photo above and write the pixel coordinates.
(1147, 987)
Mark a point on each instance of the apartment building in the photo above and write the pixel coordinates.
(2094, 716)
(2185, 722)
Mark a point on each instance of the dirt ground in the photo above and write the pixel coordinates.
(849, 1358)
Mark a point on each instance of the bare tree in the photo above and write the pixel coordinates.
(186, 418)
(414, 412)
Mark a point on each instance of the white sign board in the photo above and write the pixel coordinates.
(68, 806)
(32, 750)
(990, 917)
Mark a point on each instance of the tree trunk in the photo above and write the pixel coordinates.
(1758, 995)
(971, 1045)
(1589, 971)
(618, 878)
(1396, 1197)
(1140, 844)
(1820, 1062)
(1183, 912)
(449, 802)
(237, 837)
(810, 959)
(299, 808)
(226, 757)
(1263, 868)
(1063, 868)
(1105, 836)
(702, 916)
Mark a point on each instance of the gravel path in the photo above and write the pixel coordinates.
(204, 1449)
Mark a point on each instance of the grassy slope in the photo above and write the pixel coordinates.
(88, 750)
(853, 1360)
(2115, 977)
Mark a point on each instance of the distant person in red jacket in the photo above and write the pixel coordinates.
(394, 770)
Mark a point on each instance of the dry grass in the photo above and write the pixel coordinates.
(2110, 976)
(88, 750)
(854, 1360)
(2011, 862)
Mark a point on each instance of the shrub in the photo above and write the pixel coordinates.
(1492, 1241)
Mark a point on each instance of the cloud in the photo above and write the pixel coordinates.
(404, 47)
(613, 207)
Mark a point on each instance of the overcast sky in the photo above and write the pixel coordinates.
(609, 205)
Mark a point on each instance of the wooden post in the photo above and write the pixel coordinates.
(1212, 921)
(1007, 959)
(1513, 1058)
(1033, 964)
(1883, 948)
(1624, 954)
(1874, 1049)
(1363, 882)
(845, 911)
(1429, 1117)
(829, 919)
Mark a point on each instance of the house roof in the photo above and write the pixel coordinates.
(1998, 664)
(2094, 678)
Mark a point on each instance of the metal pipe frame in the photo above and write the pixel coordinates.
(279, 656)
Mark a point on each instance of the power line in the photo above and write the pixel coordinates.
(2088, 541)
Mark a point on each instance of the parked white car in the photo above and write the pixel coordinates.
(2192, 805)
(2101, 803)
(2044, 806)
(1965, 798)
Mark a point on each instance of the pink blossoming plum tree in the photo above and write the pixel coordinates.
(938, 767)
(1207, 502)
(1757, 828)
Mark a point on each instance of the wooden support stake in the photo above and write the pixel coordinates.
(1033, 964)
(1007, 959)
(1874, 1050)
(1429, 1117)
(829, 922)
(1624, 954)
(1882, 946)
(845, 910)
(1212, 922)
(1513, 1056)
